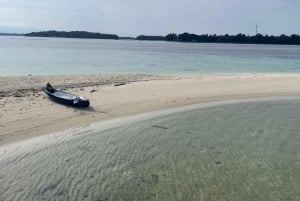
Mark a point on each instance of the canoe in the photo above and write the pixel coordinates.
(65, 97)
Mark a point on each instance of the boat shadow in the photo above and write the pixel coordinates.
(86, 109)
(82, 109)
(77, 108)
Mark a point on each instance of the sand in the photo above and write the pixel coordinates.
(25, 111)
(232, 150)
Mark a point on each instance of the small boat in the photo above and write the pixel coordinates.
(66, 98)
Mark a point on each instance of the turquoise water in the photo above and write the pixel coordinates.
(247, 151)
(23, 56)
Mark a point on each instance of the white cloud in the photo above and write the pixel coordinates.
(132, 17)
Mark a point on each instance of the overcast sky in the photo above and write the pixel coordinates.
(155, 17)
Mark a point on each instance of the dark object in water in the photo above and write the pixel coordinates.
(66, 98)
(218, 162)
(162, 127)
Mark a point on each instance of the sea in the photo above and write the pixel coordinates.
(219, 151)
(32, 55)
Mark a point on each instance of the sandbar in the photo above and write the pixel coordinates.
(26, 112)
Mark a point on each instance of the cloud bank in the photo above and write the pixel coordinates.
(158, 17)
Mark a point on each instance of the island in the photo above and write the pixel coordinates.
(72, 34)
(240, 38)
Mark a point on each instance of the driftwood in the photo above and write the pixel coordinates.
(119, 84)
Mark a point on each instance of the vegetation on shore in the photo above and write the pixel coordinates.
(239, 38)
(73, 34)
(156, 38)
(184, 37)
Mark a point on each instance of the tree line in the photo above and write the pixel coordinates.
(184, 37)
(239, 38)
(72, 34)
(155, 38)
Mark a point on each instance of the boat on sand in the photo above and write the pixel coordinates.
(65, 97)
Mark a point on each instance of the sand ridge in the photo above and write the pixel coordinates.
(25, 111)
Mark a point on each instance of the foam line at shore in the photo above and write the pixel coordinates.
(21, 148)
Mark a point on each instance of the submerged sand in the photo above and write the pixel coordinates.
(25, 111)
(226, 150)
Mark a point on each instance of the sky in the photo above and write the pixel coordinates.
(155, 17)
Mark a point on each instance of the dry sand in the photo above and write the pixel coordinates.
(25, 111)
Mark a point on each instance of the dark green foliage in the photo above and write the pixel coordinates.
(184, 37)
(171, 37)
(126, 38)
(239, 38)
(73, 34)
(156, 38)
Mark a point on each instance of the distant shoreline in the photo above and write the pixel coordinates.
(11, 34)
(240, 38)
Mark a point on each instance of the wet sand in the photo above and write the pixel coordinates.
(25, 111)
(245, 149)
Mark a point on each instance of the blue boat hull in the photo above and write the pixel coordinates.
(67, 98)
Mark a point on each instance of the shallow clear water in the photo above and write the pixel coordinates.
(23, 55)
(246, 151)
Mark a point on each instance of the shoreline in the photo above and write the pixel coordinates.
(57, 137)
(26, 112)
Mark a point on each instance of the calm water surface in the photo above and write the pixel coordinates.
(246, 151)
(23, 55)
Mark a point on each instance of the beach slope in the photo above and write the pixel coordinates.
(25, 111)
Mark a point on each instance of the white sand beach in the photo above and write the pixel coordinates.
(25, 111)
